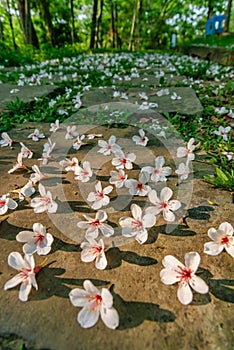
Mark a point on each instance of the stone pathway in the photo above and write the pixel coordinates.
(151, 316)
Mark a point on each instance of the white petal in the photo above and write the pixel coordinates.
(170, 262)
(148, 169)
(90, 288)
(87, 317)
(169, 276)
(213, 248)
(78, 297)
(13, 282)
(142, 236)
(166, 194)
(11, 204)
(24, 291)
(174, 204)
(230, 250)
(153, 197)
(159, 162)
(107, 189)
(16, 261)
(29, 248)
(168, 215)
(148, 220)
(226, 228)
(42, 190)
(184, 294)
(107, 230)
(144, 177)
(38, 228)
(110, 317)
(199, 285)
(192, 260)
(24, 236)
(91, 197)
(212, 233)
(87, 256)
(101, 262)
(136, 212)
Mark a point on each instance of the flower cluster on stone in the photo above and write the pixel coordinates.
(137, 224)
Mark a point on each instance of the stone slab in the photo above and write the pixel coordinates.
(23, 93)
(188, 105)
(150, 315)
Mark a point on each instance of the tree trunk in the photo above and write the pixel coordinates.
(1, 31)
(210, 9)
(93, 25)
(48, 21)
(30, 34)
(139, 26)
(228, 16)
(99, 31)
(11, 25)
(113, 33)
(73, 33)
(134, 16)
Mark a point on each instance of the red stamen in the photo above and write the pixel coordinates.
(225, 240)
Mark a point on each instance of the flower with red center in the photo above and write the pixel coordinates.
(159, 172)
(94, 303)
(162, 204)
(223, 238)
(83, 174)
(123, 160)
(137, 225)
(71, 132)
(18, 165)
(37, 175)
(93, 225)
(93, 250)
(6, 203)
(223, 132)
(44, 202)
(25, 277)
(79, 142)
(108, 147)
(69, 164)
(37, 241)
(99, 198)
(187, 151)
(6, 140)
(26, 152)
(140, 140)
(175, 271)
(139, 187)
(118, 178)
(36, 135)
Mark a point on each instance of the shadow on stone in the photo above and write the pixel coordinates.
(169, 229)
(115, 256)
(200, 213)
(58, 244)
(133, 313)
(221, 288)
(50, 284)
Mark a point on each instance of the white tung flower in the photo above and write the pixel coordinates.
(223, 132)
(93, 250)
(7, 203)
(137, 225)
(223, 238)
(93, 225)
(26, 275)
(69, 164)
(162, 204)
(55, 126)
(94, 302)
(83, 174)
(25, 151)
(26, 191)
(44, 202)
(71, 132)
(36, 135)
(139, 187)
(123, 160)
(160, 172)
(6, 140)
(37, 241)
(99, 198)
(183, 170)
(118, 178)
(79, 142)
(18, 165)
(187, 151)
(108, 147)
(174, 96)
(140, 140)
(37, 175)
(175, 271)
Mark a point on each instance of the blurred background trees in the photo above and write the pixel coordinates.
(106, 24)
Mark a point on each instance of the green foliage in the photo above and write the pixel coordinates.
(223, 179)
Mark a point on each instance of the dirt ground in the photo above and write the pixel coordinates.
(151, 316)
